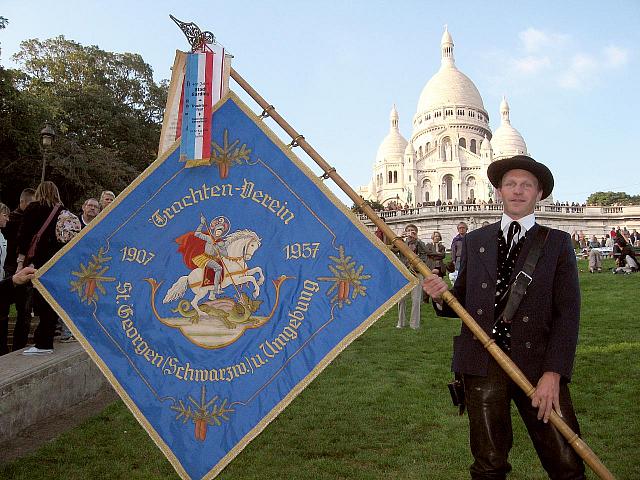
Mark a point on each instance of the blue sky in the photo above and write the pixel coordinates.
(333, 69)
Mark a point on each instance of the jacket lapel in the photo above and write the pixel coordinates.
(488, 250)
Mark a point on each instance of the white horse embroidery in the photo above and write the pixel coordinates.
(241, 245)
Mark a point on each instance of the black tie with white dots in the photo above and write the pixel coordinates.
(514, 231)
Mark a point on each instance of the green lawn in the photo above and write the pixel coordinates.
(381, 410)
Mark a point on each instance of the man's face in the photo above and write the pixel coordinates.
(462, 229)
(519, 193)
(24, 203)
(411, 233)
(4, 218)
(90, 209)
(218, 232)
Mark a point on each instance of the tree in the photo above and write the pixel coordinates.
(106, 108)
(3, 24)
(377, 206)
(21, 118)
(613, 198)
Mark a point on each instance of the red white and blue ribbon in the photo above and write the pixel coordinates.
(196, 107)
(198, 83)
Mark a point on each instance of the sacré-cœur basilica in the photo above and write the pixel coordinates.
(441, 172)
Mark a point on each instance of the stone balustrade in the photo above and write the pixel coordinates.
(591, 220)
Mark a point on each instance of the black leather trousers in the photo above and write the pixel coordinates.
(488, 405)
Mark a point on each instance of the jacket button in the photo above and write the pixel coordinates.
(481, 249)
(479, 311)
(484, 285)
(475, 338)
(525, 319)
(528, 344)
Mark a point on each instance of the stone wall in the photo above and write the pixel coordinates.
(596, 221)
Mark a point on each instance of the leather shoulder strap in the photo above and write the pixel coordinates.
(36, 239)
(524, 277)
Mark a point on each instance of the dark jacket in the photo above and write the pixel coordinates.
(34, 217)
(544, 329)
(435, 256)
(10, 232)
(456, 247)
(6, 287)
(418, 247)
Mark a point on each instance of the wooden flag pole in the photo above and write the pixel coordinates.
(503, 360)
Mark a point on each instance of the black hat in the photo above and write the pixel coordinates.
(497, 169)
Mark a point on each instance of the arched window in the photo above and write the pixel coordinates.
(428, 147)
(463, 142)
(390, 177)
(473, 145)
(420, 151)
(426, 188)
(447, 187)
(472, 195)
(395, 176)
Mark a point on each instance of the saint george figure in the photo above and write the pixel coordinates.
(214, 249)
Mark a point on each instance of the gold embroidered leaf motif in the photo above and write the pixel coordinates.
(347, 279)
(204, 413)
(227, 155)
(91, 278)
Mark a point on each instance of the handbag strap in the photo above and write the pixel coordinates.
(525, 276)
(36, 239)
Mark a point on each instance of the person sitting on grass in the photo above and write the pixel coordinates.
(595, 260)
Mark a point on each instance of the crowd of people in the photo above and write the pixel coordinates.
(619, 243)
(28, 239)
(397, 205)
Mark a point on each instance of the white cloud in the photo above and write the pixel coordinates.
(531, 64)
(555, 56)
(586, 70)
(616, 56)
(580, 73)
(583, 62)
(534, 40)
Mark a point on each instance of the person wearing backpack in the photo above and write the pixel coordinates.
(37, 243)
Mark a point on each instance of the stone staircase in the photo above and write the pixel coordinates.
(38, 388)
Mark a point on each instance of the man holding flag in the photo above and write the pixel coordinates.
(538, 331)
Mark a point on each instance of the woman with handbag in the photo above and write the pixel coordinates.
(37, 243)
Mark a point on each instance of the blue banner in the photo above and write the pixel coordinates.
(211, 295)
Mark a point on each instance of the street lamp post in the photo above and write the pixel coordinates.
(47, 136)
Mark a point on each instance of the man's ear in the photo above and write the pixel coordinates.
(498, 194)
(539, 195)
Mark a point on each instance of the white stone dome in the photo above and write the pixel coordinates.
(394, 144)
(409, 150)
(485, 145)
(506, 140)
(449, 86)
